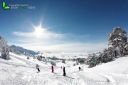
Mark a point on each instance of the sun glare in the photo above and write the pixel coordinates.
(39, 31)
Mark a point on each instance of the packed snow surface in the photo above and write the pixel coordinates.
(22, 71)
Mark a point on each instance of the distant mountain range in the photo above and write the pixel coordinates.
(21, 50)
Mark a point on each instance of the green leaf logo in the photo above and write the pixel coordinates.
(4, 6)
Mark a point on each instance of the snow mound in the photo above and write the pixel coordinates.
(117, 66)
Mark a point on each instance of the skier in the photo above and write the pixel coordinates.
(64, 73)
(52, 69)
(79, 68)
(37, 67)
(27, 57)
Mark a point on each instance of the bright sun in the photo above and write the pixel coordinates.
(39, 31)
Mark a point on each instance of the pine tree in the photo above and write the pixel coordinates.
(4, 48)
(118, 40)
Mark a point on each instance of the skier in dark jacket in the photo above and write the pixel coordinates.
(52, 69)
(64, 73)
(37, 67)
(79, 68)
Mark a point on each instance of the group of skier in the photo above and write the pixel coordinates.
(52, 68)
(64, 72)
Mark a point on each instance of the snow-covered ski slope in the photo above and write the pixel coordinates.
(20, 71)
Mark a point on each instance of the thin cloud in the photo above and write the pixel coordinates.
(23, 34)
(45, 35)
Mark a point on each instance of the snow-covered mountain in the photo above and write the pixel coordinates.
(21, 50)
(22, 71)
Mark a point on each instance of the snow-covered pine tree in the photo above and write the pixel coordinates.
(117, 41)
(4, 48)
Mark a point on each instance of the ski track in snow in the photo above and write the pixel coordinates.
(115, 78)
(109, 79)
(24, 73)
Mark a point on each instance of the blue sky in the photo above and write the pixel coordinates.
(64, 25)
